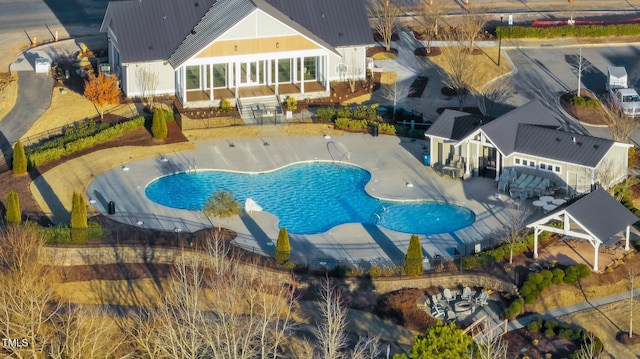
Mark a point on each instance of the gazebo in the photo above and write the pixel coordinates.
(596, 217)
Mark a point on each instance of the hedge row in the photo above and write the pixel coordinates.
(537, 283)
(38, 156)
(62, 234)
(358, 113)
(349, 124)
(568, 31)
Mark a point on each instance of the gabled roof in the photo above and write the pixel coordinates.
(152, 30)
(560, 145)
(597, 212)
(503, 130)
(338, 22)
(456, 125)
(601, 214)
(176, 30)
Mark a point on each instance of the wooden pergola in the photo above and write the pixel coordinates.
(596, 217)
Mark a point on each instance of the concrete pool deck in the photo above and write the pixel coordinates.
(392, 161)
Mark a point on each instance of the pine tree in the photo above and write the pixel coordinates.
(78, 219)
(159, 125)
(13, 214)
(283, 247)
(413, 258)
(19, 163)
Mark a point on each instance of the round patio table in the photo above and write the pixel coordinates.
(546, 198)
(549, 207)
(559, 201)
(539, 204)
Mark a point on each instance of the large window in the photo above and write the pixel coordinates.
(310, 68)
(220, 75)
(193, 77)
(284, 70)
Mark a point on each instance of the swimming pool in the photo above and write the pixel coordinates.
(311, 198)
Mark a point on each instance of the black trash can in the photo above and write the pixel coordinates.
(374, 130)
(112, 207)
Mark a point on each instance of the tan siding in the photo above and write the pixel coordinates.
(257, 46)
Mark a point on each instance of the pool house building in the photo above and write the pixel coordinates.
(202, 51)
(527, 140)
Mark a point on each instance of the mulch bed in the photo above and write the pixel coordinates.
(378, 38)
(377, 49)
(417, 86)
(521, 344)
(589, 115)
(422, 51)
(623, 337)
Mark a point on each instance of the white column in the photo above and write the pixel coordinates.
(595, 263)
(431, 152)
(565, 224)
(326, 73)
(210, 82)
(302, 75)
(466, 162)
(237, 78)
(626, 240)
(478, 157)
(268, 77)
(184, 84)
(535, 241)
(276, 73)
(497, 165)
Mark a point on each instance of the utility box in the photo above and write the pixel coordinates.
(43, 66)
(426, 159)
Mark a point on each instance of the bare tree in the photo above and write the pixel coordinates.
(385, 15)
(632, 274)
(331, 332)
(581, 66)
(492, 347)
(610, 173)
(395, 93)
(366, 348)
(461, 69)
(353, 74)
(472, 23)
(28, 307)
(514, 224)
(620, 125)
(494, 93)
(147, 82)
(589, 348)
(429, 14)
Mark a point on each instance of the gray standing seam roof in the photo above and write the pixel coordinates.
(443, 125)
(152, 30)
(503, 130)
(562, 146)
(601, 214)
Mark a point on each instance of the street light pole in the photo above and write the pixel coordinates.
(571, 22)
(500, 39)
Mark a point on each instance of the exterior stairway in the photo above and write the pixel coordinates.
(260, 110)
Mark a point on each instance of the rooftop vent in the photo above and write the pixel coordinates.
(196, 4)
(322, 15)
(596, 146)
(558, 139)
(579, 143)
(193, 32)
(573, 139)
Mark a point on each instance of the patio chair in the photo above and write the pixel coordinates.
(435, 302)
(502, 185)
(513, 174)
(451, 316)
(543, 185)
(437, 311)
(482, 298)
(519, 180)
(533, 184)
(446, 294)
(466, 294)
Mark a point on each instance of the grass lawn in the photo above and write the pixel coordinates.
(487, 59)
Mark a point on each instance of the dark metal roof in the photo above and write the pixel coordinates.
(562, 146)
(443, 125)
(176, 30)
(220, 17)
(456, 125)
(601, 214)
(338, 22)
(152, 29)
(503, 130)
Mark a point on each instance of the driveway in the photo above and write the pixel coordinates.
(34, 97)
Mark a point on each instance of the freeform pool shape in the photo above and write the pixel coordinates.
(311, 198)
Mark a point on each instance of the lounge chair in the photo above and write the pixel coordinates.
(519, 180)
(451, 316)
(446, 294)
(466, 294)
(543, 185)
(482, 298)
(436, 311)
(435, 302)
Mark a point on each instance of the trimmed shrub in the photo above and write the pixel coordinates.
(13, 214)
(571, 275)
(325, 113)
(375, 272)
(283, 247)
(558, 275)
(535, 325)
(568, 31)
(514, 309)
(549, 333)
(78, 219)
(546, 274)
(289, 265)
(19, 160)
(565, 333)
(584, 271)
(413, 259)
(159, 125)
(225, 106)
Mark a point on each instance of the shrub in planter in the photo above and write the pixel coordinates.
(571, 275)
(584, 271)
(225, 106)
(291, 104)
(159, 125)
(19, 159)
(413, 259)
(13, 215)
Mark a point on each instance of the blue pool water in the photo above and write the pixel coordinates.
(311, 198)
